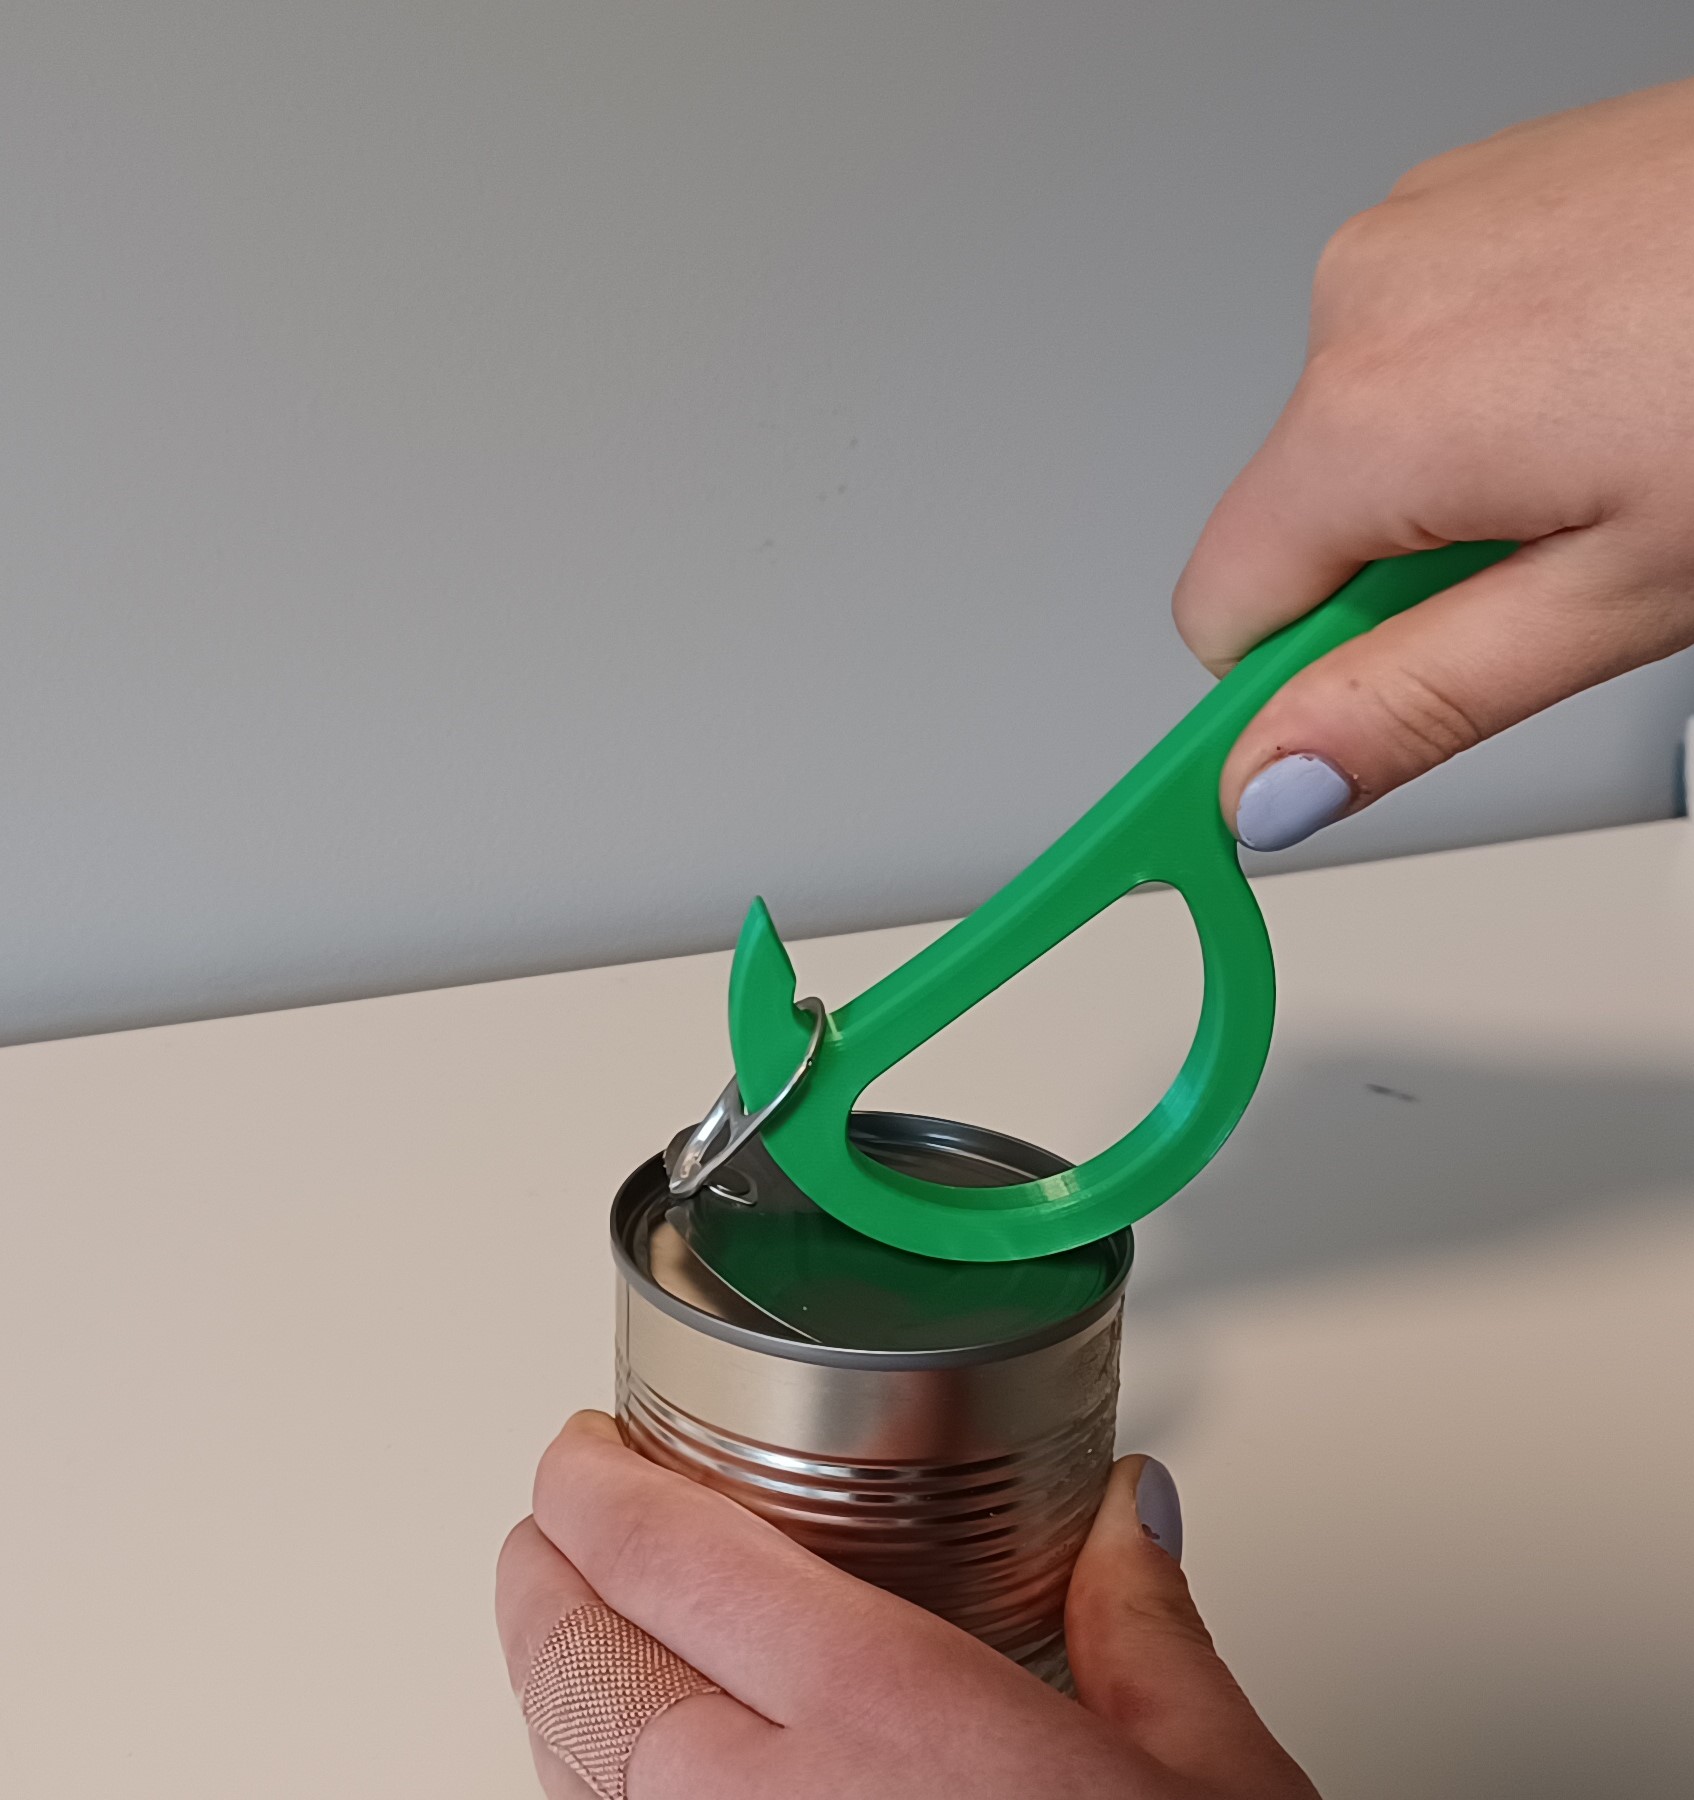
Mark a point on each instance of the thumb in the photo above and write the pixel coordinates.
(1561, 615)
(1144, 1661)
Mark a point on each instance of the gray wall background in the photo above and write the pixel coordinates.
(485, 487)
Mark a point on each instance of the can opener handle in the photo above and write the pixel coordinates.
(1161, 822)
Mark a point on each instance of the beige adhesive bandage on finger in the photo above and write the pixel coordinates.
(597, 1681)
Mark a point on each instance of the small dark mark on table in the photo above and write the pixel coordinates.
(1376, 1087)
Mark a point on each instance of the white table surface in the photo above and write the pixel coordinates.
(291, 1302)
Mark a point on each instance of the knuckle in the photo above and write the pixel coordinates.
(1360, 247)
(635, 1553)
(1201, 626)
(1166, 1601)
(555, 1475)
(1366, 274)
(1432, 172)
(1345, 389)
(569, 1483)
(518, 1543)
(671, 1532)
(1348, 243)
(1425, 720)
(626, 1525)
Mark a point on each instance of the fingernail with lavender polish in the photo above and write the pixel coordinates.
(1158, 1508)
(1289, 799)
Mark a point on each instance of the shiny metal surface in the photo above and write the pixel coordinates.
(814, 1278)
(680, 1272)
(728, 1125)
(962, 1478)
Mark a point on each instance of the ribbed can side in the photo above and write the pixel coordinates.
(986, 1542)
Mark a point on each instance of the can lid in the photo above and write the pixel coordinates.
(752, 1246)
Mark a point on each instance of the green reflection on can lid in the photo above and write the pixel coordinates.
(757, 1233)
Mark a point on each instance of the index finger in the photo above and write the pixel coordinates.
(705, 1746)
(776, 1626)
(1300, 519)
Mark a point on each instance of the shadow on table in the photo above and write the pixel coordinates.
(1375, 1154)
(1513, 1739)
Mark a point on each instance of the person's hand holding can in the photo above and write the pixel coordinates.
(669, 1645)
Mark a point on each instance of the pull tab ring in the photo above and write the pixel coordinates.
(695, 1161)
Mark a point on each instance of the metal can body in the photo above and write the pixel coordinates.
(964, 1480)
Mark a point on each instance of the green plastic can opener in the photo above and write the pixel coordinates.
(800, 1070)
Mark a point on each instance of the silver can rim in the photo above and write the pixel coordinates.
(634, 1200)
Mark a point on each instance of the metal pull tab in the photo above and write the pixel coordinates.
(728, 1125)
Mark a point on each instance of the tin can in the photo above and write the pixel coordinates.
(963, 1474)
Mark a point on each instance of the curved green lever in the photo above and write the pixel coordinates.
(1160, 823)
